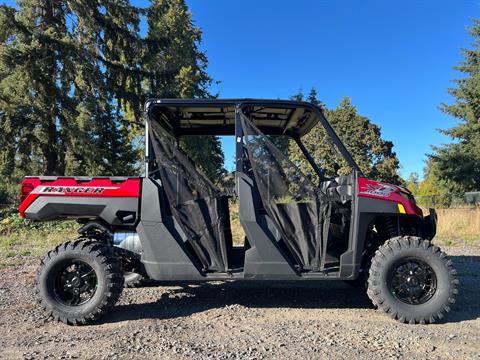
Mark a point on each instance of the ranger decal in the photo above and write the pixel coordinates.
(58, 190)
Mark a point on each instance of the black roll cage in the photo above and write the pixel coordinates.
(240, 105)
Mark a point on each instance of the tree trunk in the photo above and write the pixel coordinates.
(50, 148)
(49, 151)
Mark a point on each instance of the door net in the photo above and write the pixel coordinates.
(299, 209)
(197, 204)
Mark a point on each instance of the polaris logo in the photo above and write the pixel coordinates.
(73, 189)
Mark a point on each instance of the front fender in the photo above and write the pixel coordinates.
(429, 227)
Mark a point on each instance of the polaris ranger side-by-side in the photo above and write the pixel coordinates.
(173, 224)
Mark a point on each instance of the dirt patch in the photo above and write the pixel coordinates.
(240, 320)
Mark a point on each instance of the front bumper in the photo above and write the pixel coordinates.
(430, 225)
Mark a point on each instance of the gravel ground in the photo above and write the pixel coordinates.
(240, 321)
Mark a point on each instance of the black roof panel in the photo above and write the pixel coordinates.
(217, 116)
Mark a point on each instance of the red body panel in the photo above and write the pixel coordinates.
(387, 192)
(71, 186)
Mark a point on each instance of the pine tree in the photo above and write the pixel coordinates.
(459, 161)
(374, 155)
(206, 152)
(176, 66)
(109, 49)
(74, 76)
(178, 70)
(299, 96)
(313, 98)
(56, 104)
(33, 82)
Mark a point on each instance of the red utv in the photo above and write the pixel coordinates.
(173, 224)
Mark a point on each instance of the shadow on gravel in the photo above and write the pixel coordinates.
(181, 300)
(467, 306)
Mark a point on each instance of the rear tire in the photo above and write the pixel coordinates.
(79, 281)
(412, 280)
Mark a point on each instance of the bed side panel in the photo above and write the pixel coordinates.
(114, 200)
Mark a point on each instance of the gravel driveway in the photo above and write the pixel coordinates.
(240, 321)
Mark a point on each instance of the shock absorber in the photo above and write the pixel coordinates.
(388, 227)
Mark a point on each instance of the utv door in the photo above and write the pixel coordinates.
(299, 210)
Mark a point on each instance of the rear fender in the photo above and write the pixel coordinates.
(115, 200)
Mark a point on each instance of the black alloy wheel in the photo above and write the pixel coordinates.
(412, 281)
(75, 283)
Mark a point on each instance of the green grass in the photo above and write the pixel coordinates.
(285, 200)
(32, 243)
(27, 238)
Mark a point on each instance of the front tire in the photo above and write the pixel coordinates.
(79, 281)
(412, 280)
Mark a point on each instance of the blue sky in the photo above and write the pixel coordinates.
(393, 58)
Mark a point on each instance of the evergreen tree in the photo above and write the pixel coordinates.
(313, 98)
(74, 76)
(178, 70)
(109, 49)
(206, 152)
(459, 161)
(176, 67)
(56, 106)
(299, 96)
(374, 155)
(34, 108)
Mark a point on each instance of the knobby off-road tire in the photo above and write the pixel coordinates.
(79, 281)
(411, 258)
(133, 273)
